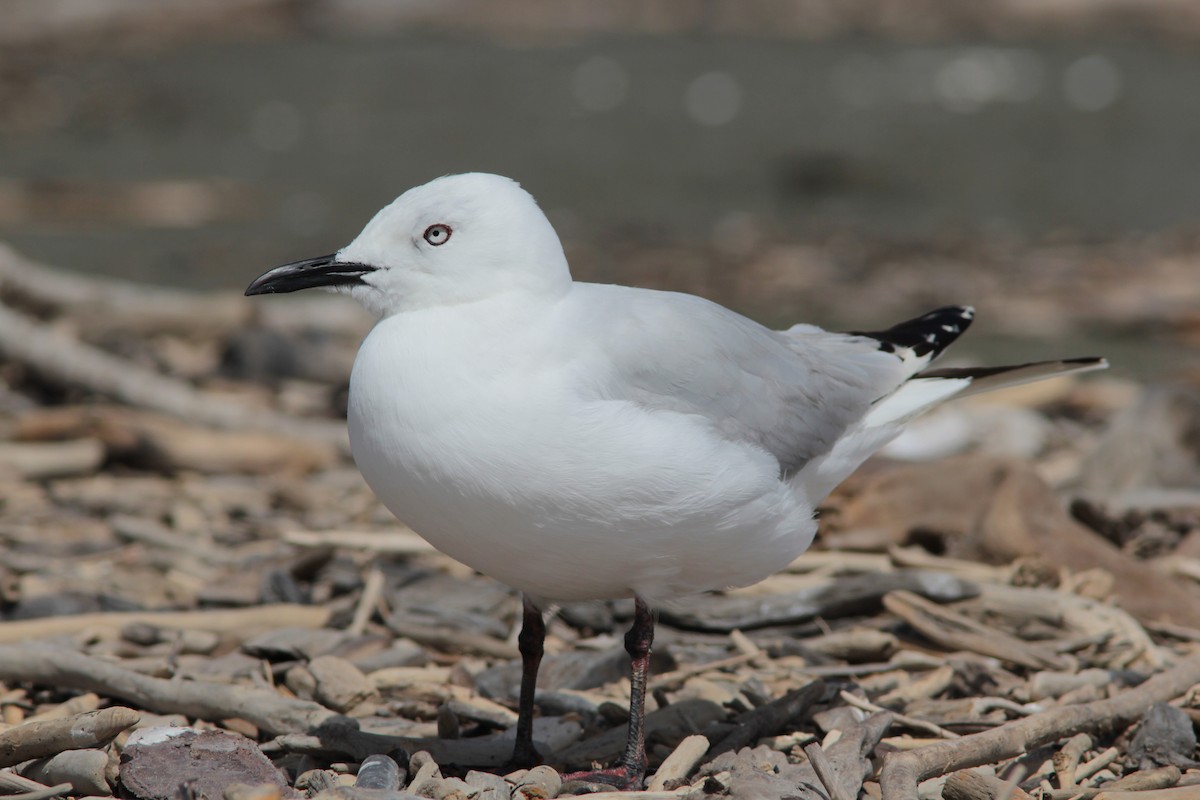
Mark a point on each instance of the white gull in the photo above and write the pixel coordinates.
(581, 441)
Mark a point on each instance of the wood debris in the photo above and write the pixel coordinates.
(162, 577)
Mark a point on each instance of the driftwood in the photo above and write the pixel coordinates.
(87, 771)
(824, 769)
(43, 460)
(110, 303)
(971, 784)
(42, 793)
(956, 632)
(72, 362)
(41, 739)
(57, 666)
(902, 771)
(245, 622)
(768, 719)
(111, 507)
(677, 766)
(854, 595)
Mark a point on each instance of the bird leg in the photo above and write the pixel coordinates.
(631, 769)
(530, 642)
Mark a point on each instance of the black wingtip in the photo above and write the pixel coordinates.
(926, 335)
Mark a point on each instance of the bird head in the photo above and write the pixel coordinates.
(456, 239)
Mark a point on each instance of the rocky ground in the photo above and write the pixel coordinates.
(200, 597)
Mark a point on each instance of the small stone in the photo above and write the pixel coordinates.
(243, 791)
(340, 685)
(491, 787)
(540, 782)
(301, 682)
(379, 772)
(156, 761)
(1165, 737)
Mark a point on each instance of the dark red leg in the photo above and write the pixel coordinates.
(530, 642)
(630, 771)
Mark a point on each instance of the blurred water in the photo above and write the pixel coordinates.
(659, 138)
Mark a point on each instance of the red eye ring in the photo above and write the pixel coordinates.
(437, 235)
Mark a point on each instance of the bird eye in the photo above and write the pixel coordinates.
(437, 234)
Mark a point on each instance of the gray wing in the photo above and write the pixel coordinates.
(793, 394)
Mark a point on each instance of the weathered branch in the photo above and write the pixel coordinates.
(41, 739)
(108, 303)
(244, 621)
(902, 771)
(58, 666)
(73, 362)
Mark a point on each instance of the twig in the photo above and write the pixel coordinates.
(669, 680)
(453, 640)
(11, 783)
(401, 542)
(244, 622)
(367, 602)
(680, 763)
(911, 722)
(76, 363)
(42, 794)
(958, 632)
(769, 718)
(41, 739)
(971, 784)
(824, 770)
(115, 303)
(1066, 760)
(902, 771)
(57, 666)
(1090, 768)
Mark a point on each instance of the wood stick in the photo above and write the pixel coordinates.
(140, 307)
(453, 640)
(37, 461)
(43, 794)
(79, 704)
(477, 751)
(911, 722)
(76, 363)
(902, 771)
(957, 632)
(821, 766)
(11, 783)
(681, 762)
(1090, 768)
(367, 601)
(675, 678)
(768, 719)
(1176, 793)
(660, 795)
(41, 739)
(244, 622)
(392, 542)
(1066, 760)
(86, 770)
(57, 666)
(969, 784)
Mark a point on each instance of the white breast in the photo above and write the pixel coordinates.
(561, 495)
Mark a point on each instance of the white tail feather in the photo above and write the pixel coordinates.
(914, 397)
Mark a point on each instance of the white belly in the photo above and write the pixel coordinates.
(562, 497)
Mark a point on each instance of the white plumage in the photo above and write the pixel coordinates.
(581, 441)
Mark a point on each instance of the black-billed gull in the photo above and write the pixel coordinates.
(581, 441)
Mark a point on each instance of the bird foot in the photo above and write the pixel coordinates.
(623, 779)
(524, 758)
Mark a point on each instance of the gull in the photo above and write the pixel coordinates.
(580, 441)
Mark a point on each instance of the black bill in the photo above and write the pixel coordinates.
(307, 274)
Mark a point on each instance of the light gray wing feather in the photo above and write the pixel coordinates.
(793, 394)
